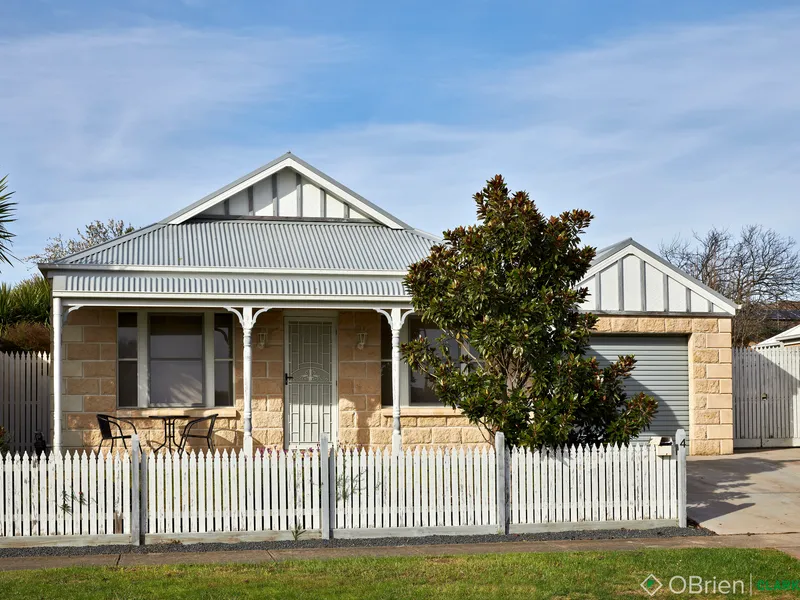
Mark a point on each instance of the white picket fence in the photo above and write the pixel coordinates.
(24, 397)
(84, 496)
(132, 498)
(212, 493)
(766, 397)
(593, 484)
(380, 493)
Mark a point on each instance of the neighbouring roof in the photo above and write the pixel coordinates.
(784, 310)
(783, 315)
(628, 278)
(785, 337)
(262, 244)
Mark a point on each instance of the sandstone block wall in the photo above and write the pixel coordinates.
(360, 421)
(89, 370)
(710, 374)
(89, 384)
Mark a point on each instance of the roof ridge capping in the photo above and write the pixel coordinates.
(611, 254)
(305, 221)
(298, 164)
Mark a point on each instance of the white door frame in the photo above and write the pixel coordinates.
(302, 318)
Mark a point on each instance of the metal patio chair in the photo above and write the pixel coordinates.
(107, 424)
(191, 426)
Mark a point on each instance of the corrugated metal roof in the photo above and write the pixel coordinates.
(264, 244)
(604, 253)
(130, 283)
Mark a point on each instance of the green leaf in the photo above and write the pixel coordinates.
(506, 291)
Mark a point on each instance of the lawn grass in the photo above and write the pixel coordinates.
(530, 576)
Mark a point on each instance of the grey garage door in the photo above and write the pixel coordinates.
(662, 371)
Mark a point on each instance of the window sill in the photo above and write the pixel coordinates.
(424, 411)
(223, 412)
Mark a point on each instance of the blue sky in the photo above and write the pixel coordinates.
(659, 117)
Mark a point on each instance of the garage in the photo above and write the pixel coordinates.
(662, 371)
(679, 331)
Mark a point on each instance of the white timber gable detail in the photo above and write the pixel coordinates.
(288, 187)
(286, 194)
(628, 278)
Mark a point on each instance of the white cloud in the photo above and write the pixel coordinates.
(657, 133)
(115, 123)
(100, 101)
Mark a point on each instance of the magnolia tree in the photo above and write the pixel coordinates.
(505, 291)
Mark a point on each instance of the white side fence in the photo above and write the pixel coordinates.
(24, 397)
(766, 397)
(81, 499)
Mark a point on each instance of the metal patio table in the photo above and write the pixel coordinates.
(169, 430)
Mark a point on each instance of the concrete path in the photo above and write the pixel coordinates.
(749, 492)
(789, 543)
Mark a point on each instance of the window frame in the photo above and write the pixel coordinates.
(208, 340)
(208, 360)
(127, 359)
(405, 373)
(203, 359)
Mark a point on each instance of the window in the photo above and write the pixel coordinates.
(174, 359)
(127, 359)
(415, 388)
(223, 360)
(386, 363)
(419, 389)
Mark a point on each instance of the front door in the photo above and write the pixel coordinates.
(310, 381)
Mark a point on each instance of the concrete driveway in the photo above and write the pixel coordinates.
(757, 491)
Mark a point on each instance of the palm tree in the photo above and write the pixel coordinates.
(30, 301)
(7, 210)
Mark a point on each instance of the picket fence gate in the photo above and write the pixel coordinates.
(24, 397)
(766, 397)
(131, 497)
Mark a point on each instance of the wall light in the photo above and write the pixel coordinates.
(362, 340)
(262, 339)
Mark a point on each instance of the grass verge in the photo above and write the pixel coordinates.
(531, 576)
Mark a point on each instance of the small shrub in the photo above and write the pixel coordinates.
(25, 337)
(5, 440)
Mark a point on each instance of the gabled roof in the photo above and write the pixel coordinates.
(627, 278)
(261, 244)
(790, 335)
(288, 160)
(284, 232)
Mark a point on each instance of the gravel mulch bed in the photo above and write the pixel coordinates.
(608, 534)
